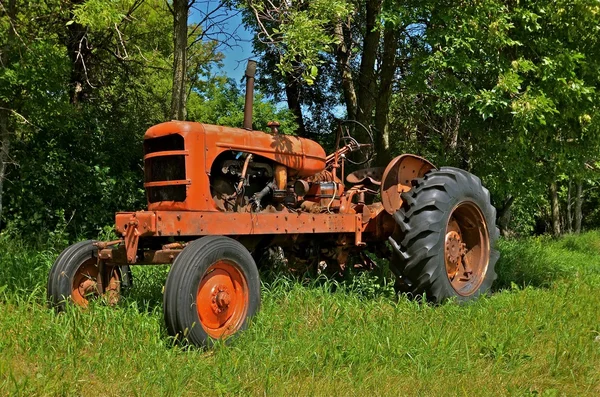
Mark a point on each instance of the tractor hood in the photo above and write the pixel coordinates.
(303, 157)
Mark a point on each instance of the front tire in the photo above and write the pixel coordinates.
(74, 276)
(445, 237)
(212, 290)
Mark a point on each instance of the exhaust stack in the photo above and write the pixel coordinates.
(250, 72)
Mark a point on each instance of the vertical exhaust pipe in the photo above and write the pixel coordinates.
(250, 72)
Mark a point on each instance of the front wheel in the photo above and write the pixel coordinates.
(212, 290)
(445, 237)
(74, 277)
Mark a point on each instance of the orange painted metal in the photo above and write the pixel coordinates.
(118, 255)
(85, 283)
(160, 256)
(222, 299)
(204, 223)
(168, 183)
(302, 156)
(199, 223)
(197, 193)
(113, 255)
(366, 176)
(204, 143)
(143, 221)
(397, 179)
(281, 177)
(167, 153)
(132, 227)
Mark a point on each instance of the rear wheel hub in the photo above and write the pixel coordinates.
(466, 248)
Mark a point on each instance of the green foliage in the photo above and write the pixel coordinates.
(101, 14)
(505, 90)
(301, 31)
(73, 165)
(219, 101)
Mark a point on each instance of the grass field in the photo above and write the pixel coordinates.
(538, 334)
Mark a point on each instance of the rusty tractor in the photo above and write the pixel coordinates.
(219, 196)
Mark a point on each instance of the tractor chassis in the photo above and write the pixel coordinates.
(369, 224)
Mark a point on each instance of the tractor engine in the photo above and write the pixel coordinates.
(246, 182)
(237, 182)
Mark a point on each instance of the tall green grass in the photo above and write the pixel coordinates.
(537, 334)
(538, 261)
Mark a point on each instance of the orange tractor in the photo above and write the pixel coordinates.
(218, 197)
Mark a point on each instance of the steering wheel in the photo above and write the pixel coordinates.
(360, 153)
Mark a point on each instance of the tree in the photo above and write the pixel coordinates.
(505, 90)
(180, 10)
(293, 42)
(351, 45)
(7, 56)
(211, 31)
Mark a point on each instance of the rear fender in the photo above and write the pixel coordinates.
(397, 179)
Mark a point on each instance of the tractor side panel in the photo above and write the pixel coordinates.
(173, 223)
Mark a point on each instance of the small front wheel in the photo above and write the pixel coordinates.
(74, 277)
(212, 290)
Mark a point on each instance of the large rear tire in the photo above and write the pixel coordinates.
(212, 290)
(443, 245)
(74, 275)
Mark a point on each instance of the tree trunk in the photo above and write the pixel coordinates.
(180, 43)
(343, 60)
(80, 54)
(4, 148)
(578, 205)
(386, 81)
(555, 209)
(5, 55)
(569, 225)
(504, 215)
(367, 84)
(292, 93)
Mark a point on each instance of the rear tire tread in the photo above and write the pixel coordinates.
(420, 223)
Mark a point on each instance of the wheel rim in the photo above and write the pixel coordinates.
(222, 299)
(466, 248)
(85, 283)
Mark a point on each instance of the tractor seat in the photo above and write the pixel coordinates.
(366, 175)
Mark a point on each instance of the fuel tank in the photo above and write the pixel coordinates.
(303, 157)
